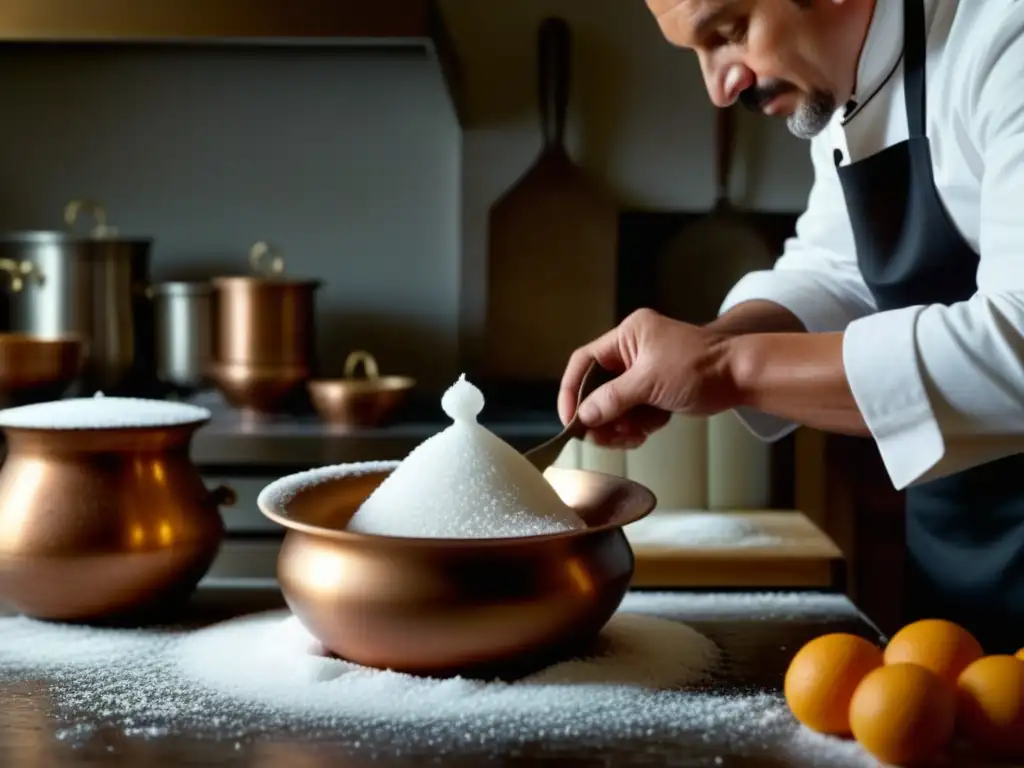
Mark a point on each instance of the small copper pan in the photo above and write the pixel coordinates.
(366, 401)
(443, 607)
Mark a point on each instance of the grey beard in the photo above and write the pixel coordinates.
(813, 116)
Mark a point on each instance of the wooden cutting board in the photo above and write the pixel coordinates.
(787, 551)
(552, 246)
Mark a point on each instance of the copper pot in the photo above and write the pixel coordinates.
(35, 369)
(354, 401)
(439, 607)
(99, 523)
(265, 319)
(264, 333)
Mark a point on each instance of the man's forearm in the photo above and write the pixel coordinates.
(756, 316)
(795, 376)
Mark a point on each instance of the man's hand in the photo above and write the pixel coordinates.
(663, 366)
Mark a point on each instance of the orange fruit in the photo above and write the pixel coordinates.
(822, 677)
(1020, 654)
(941, 646)
(903, 713)
(990, 705)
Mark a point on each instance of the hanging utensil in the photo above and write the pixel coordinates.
(705, 259)
(552, 247)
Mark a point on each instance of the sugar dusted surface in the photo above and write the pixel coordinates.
(695, 529)
(638, 653)
(240, 679)
(101, 412)
(464, 483)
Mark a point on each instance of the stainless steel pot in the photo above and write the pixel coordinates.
(184, 330)
(96, 286)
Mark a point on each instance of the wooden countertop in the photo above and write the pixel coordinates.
(760, 550)
(757, 634)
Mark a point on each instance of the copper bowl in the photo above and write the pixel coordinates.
(100, 524)
(37, 368)
(366, 401)
(260, 389)
(444, 607)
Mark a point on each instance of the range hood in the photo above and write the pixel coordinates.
(377, 23)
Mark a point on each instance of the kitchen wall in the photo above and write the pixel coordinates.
(351, 160)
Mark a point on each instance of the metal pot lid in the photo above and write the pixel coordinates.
(102, 413)
(58, 238)
(267, 265)
(101, 231)
(252, 281)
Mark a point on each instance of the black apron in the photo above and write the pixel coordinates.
(965, 532)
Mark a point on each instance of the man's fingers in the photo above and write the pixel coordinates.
(612, 400)
(570, 386)
(609, 436)
(605, 350)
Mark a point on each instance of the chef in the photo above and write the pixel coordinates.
(897, 309)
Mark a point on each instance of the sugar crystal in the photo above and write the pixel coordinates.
(464, 483)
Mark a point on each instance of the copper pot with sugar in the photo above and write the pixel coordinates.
(442, 607)
(264, 332)
(102, 513)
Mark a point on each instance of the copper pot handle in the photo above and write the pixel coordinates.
(357, 358)
(265, 259)
(224, 496)
(98, 212)
(18, 271)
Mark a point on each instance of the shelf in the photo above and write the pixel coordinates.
(376, 23)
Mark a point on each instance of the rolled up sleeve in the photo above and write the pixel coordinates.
(944, 391)
(816, 277)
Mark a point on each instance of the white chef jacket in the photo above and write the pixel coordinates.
(940, 388)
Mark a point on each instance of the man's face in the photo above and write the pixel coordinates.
(793, 58)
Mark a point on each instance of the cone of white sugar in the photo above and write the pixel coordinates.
(464, 483)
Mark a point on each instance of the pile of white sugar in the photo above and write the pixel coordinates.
(464, 483)
(651, 679)
(99, 412)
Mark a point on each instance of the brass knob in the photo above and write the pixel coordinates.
(265, 259)
(18, 271)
